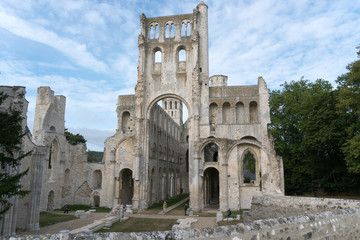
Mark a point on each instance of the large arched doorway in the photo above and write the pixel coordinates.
(211, 187)
(167, 146)
(126, 186)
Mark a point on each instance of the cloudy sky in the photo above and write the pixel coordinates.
(87, 51)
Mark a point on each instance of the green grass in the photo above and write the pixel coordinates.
(47, 219)
(169, 202)
(76, 207)
(141, 225)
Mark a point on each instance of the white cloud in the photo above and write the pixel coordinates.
(76, 51)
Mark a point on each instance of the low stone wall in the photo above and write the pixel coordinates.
(264, 206)
(341, 224)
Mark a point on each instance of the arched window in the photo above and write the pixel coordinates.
(212, 115)
(253, 112)
(240, 112)
(175, 104)
(97, 179)
(249, 167)
(158, 56)
(154, 31)
(211, 152)
(185, 28)
(226, 114)
(172, 30)
(125, 122)
(182, 55)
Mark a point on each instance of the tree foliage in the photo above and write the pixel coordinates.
(308, 133)
(94, 156)
(74, 139)
(11, 134)
(349, 105)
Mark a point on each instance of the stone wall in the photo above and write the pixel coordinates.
(266, 206)
(341, 224)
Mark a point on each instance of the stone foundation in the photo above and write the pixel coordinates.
(265, 206)
(340, 224)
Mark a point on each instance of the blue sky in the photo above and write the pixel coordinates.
(87, 50)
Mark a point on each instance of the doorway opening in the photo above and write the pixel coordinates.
(211, 187)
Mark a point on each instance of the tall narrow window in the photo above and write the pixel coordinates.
(240, 113)
(188, 29)
(151, 32)
(249, 164)
(182, 55)
(183, 29)
(226, 113)
(167, 31)
(253, 112)
(156, 31)
(158, 56)
(172, 31)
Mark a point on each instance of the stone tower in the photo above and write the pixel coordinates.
(222, 155)
(174, 108)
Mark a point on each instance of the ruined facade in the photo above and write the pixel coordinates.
(222, 154)
(24, 213)
(182, 132)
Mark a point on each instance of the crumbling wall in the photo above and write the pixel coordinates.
(266, 206)
(342, 224)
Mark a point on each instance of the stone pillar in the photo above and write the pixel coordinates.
(224, 195)
(38, 157)
(112, 182)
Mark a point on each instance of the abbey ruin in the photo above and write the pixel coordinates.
(221, 154)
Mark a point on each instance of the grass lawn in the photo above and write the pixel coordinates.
(141, 225)
(76, 207)
(169, 202)
(47, 219)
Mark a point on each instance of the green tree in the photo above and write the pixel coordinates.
(74, 139)
(349, 105)
(308, 133)
(11, 134)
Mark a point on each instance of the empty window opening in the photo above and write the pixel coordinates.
(188, 29)
(253, 112)
(158, 56)
(182, 55)
(165, 105)
(125, 121)
(156, 31)
(183, 29)
(211, 153)
(167, 31)
(226, 113)
(240, 112)
(152, 34)
(175, 105)
(172, 31)
(97, 179)
(249, 164)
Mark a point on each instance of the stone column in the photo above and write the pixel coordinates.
(38, 157)
(223, 178)
(112, 182)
